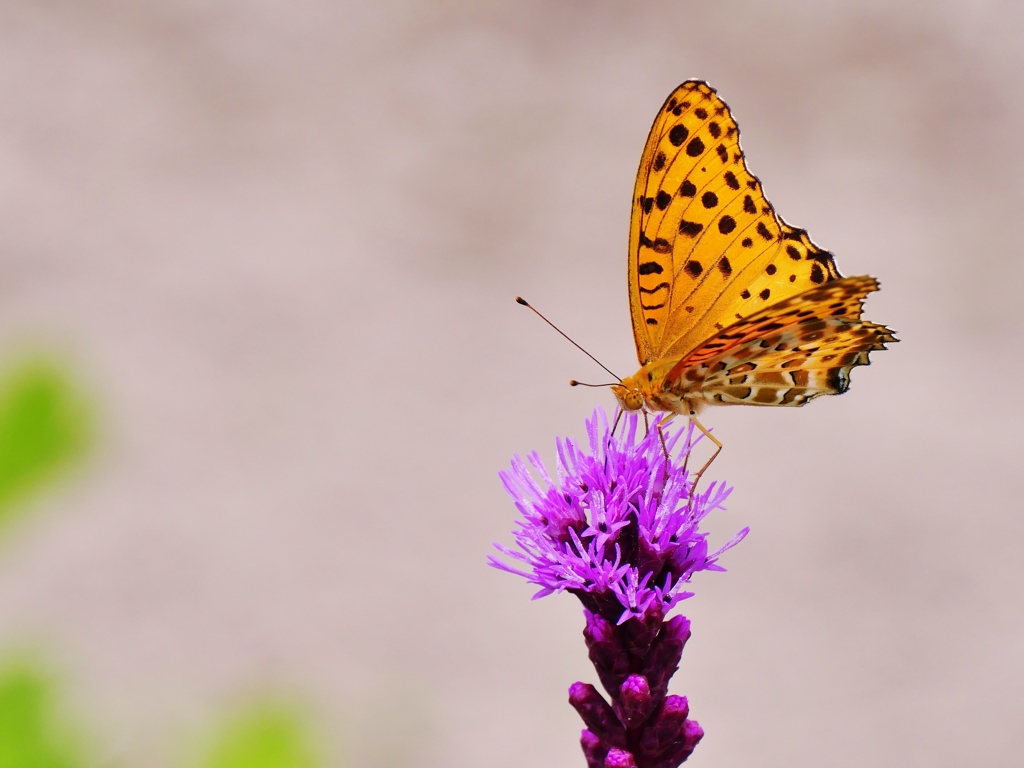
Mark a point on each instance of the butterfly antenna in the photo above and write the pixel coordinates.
(525, 303)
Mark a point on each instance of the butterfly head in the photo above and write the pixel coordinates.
(646, 389)
(629, 394)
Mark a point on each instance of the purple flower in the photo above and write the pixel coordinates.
(620, 524)
(618, 527)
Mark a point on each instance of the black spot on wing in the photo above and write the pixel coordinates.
(701, 113)
(723, 153)
(693, 267)
(678, 135)
(838, 380)
(726, 224)
(660, 245)
(748, 204)
(650, 268)
(709, 199)
(695, 148)
(714, 129)
(687, 189)
(690, 228)
(659, 161)
(655, 289)
(663, 199)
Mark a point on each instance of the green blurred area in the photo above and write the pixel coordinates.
(267, 735)
(33, 733)
(45, 426)
(36, 732)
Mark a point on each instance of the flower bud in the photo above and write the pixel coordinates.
(594, 750)
(618, 758)
(597, 714)
(635, 702)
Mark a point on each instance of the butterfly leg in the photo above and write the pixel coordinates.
(664, 446)
(689, 446)
(713, 439)
(663, 422)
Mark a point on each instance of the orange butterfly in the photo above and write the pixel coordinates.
(730, 305)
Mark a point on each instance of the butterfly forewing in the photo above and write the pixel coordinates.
(706, 247)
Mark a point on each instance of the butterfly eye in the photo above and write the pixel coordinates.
(633, 400)
(628, 395)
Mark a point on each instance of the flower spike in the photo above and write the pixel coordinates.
(618, 526)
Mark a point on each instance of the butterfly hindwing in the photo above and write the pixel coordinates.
(788, 353)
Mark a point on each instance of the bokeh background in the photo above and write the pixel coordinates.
(275, 245)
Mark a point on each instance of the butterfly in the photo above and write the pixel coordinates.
(730, 304)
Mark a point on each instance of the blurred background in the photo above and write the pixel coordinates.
(260, 259)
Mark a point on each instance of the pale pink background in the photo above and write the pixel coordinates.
(280, 242)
